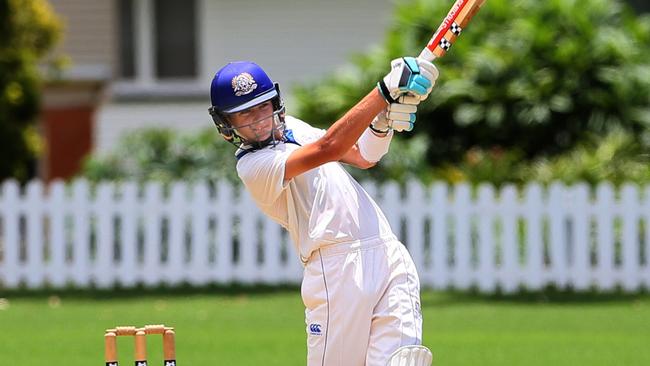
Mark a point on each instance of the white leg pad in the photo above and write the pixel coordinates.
(411, 356)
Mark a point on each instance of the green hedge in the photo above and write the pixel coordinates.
(163, 155)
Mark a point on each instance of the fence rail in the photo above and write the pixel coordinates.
(102, 235)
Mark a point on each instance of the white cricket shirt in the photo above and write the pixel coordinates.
(320, 207)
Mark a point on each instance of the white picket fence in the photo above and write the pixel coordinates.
(82, 235)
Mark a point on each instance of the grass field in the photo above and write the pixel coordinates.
(266, 328)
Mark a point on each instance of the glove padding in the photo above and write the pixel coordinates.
(398, 116)
(408, 75)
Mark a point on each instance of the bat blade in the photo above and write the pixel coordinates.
(458, 17)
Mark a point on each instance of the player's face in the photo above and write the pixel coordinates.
(255, 123)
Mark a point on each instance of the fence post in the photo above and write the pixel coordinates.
(486, 242)
(57, 209)
(152, 221)
(534, 245)
(605, 236)
(462, 243)
(630, 263)
(10, 211)
(128, 267)
(198, 271)
(81, 260)
(557, 235)
(580, 249)
(510, 264)
(224, 208)
(173, 272)
(439, 252)
(246, 268)
(104, 211)
(415, 219)
(34, 213)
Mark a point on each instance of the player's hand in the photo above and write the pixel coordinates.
(408, 75)
(398, 116)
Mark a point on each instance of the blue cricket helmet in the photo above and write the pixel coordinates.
(238, 86)
(241, 85)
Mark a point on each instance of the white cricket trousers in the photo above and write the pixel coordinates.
(362, 302)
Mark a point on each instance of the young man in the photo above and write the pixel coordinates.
(360, 287)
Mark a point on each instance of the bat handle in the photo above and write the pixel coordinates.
(427, 54)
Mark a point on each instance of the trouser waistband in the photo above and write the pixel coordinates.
(350, 246)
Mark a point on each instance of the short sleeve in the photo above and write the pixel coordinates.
(263, 174)
(303, 132)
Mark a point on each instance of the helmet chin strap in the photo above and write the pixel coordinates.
(271, 141)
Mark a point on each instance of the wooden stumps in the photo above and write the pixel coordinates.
(169, 348)
(140, 339)
(140, 350)
(110, 348)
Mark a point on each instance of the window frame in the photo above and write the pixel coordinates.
(144, 82)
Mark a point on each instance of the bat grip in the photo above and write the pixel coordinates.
(427, 54)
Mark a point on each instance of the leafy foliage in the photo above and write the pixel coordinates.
(617, 158)
(165, 156)
(535, 77)
(162, 155)
(28, 29)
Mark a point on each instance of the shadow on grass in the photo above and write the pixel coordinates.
(550, 295)
(141, 291)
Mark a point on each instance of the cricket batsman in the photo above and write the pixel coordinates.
(360, 287)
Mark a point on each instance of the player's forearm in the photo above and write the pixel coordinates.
(353, 157)
(345, 132)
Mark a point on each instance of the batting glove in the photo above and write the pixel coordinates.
(398, 116)
(408, 75)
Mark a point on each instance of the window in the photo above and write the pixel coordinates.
(175, 38)
(167, 50)
(126, 47)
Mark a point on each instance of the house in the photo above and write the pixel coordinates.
(142, 63)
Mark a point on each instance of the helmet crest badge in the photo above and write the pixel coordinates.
(243, 84)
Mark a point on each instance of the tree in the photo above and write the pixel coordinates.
(28, 29)
(535, 77)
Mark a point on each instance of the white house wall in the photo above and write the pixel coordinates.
(89, 36)
(294, 40)
(116, 119)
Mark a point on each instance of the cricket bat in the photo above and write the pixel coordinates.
(455, 21)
